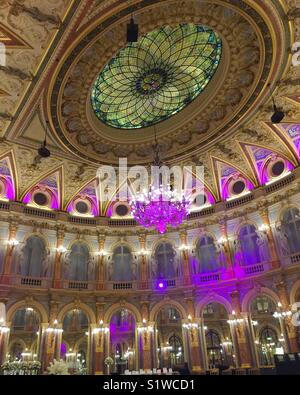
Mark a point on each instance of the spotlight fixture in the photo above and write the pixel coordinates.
(278, 114)
(132, 31)
(43, 150)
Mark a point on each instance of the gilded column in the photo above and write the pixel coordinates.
(146, 332)
(4, 331)
(99, 333)
(185, 258)
(143, 262)
(288, 329)
(101, 263)
(192, 327)
(13, 228)
(51, 337)
(270, 237)
(239, 329)
(226, 247)
(60, 234)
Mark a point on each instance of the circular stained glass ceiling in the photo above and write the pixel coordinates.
(151, 80)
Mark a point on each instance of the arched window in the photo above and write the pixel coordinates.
(207, 254)
(263, 305)
(78, 261)
(291, 226)
(122, 265)
(33, 257)
(176, 350)
(267, 346)
(75, 321)
(249, 242)
(164, 257)
(26, 320)
(212, 340)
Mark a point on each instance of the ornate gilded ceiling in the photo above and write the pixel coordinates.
(56, 49)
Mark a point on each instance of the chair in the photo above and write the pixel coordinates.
(214, 372)
(148, 371)
(240, 372)
(254, 372)
(165, 370)
(126, 372)
(158, 371)
(154, 370)
(227, 372)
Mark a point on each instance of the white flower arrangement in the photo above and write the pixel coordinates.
(21, 367)
(108, 361)
(58, 368)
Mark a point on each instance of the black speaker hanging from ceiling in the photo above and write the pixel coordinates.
(132, 31)
(278, 114)
(43, 150)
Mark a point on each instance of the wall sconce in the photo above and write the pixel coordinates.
(99, 330)
(184, 247)
(102, 253)
(189, 317)
(3, 327)
(227, 343)
(101, 322)
(190, 325)
(145, 328)
(13, 242)
(144, 321)
(142, 252)
(223, 241)
(264, 228)
(254, 323)
(61, 249)
(282, 314)
(54, 329)
(235, 320)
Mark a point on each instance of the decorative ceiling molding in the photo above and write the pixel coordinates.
(12, 40)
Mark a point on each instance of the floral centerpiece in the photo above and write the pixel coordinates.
(108, 363)
(21, 367)
(58, 368)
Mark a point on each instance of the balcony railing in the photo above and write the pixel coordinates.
(254, 269)
(79, 285)
(38, 282)
(206, 278)
(121, 285)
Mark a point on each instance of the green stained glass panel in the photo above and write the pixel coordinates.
(153, 79)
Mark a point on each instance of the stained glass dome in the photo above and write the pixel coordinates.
(156, 77)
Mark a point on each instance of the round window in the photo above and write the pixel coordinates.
(122, 210)
(200, 200)
(277, 168)
(82, 207)
(238, 187)
(40, 199)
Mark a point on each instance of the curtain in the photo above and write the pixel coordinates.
(207, 255)
(291, 226)
(249, 245)
(34, 254)
(79, 258)
(122, 264)
(165, 255)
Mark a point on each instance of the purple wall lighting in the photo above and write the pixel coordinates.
(161, 285)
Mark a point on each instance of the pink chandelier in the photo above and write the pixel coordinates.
(159, 208)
